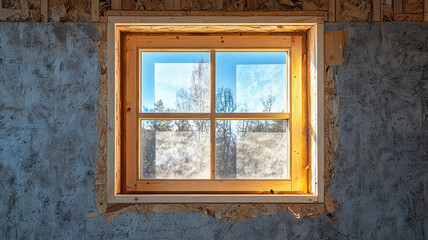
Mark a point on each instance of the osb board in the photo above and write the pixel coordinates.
(20, 10)
(214, 13)
(231, 212)
(413, 6)
(353, 10)
(408, 17)
(69, 10)
(234, 5)
(388, 10)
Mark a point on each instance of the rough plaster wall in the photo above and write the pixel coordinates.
(48, 111)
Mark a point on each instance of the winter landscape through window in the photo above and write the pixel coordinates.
(246, 82)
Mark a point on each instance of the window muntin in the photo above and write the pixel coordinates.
(132, 183)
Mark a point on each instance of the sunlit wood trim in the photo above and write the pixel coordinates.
(174, 116)
(252, 116)
(214, 198)
(213, 186)
(234, 49)
(213, 109)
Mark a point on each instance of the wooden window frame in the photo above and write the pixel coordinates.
(123, 185)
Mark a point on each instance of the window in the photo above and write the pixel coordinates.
(212, 117)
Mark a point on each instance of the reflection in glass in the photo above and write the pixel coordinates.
(175, 81)
(251, 149)
(256, 80)
(175, 149)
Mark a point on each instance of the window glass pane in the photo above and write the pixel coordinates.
(251, 81)
(175, 81)
(176, 149)
(251, 149)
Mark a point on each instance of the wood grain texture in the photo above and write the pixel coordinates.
(334, 44)
(213, 186)
(251, 4)
(408, 17)
(398, 6)
(353, 10)
(377, 10)
(95, 10)
(426, 11)
(186, 4)
(116, 4)
(130, 129)
(128, 4)
(332, 10)
(169, 4)
(44, 10)
(298, 122)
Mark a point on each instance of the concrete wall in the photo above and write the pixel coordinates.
(48, 106)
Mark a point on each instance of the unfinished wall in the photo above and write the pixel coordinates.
(49, 86)
(333, 10)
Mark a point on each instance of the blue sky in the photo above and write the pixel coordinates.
(250, 76)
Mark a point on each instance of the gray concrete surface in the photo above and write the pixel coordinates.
(48, 106)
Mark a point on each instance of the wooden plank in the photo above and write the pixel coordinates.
(334, 44)
(44, 10)
(398, 6)
(174, 116)
(277, 186)
(203, 41)
(169, 4)
(116, 4)
(251, 4)
(332, 10)
(252, 116)
(377, 12)
(272, 30)
(177, 5)
(426, 11)
(298, 122)
(186, 4)
(294, 18)
(320, 70)
(95, 10)
(215, 198)
(128, 4)
(217, 4)
(130, 131)
(213, 112)
(113, 117)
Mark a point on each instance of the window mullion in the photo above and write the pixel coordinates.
(213, 110)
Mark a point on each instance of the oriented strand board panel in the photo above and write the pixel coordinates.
(334, 44)
(353, 10)
(414, 6)
(70, 11)
(408, 17)
(233, 5)
(387, 11)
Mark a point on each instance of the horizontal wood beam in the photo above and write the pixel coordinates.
(174, 116)
(252, 116)
(213, 186)
(217, 116)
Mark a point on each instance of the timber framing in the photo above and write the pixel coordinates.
(314, 80)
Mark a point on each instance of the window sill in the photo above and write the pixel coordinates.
(213, 198)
